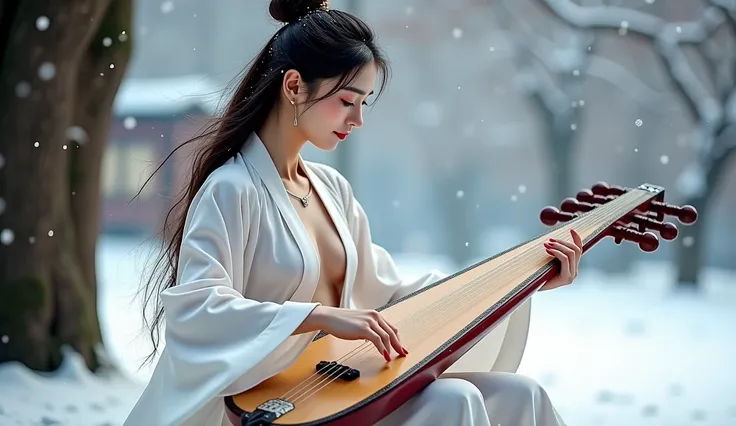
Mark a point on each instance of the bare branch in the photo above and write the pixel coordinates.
(612, 17)
(618, 75)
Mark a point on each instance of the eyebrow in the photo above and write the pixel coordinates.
(356, 90)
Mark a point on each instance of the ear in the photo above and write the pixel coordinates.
(291, 85)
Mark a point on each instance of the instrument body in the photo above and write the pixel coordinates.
(441, 322)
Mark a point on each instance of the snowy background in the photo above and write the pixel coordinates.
(450, 151)
(610, 350)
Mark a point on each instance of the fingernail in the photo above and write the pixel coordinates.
(553, 240)
(406, 352)
(386, 355)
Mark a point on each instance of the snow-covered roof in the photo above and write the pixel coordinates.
(167, 96)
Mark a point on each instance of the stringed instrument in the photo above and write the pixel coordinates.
(344, 382)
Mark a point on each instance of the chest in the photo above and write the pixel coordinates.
(325, 239)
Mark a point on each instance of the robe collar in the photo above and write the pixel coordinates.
(258, 156)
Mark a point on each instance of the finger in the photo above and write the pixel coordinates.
(572, 259)
(564, 262)
(571, 251)
(571, 245)
(576, 239)
(394, 338)
(385, 340)
(376, 340)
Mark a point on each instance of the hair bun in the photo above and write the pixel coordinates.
(288, 11)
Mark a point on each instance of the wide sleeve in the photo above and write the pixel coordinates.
(214, 336)
(378, 280)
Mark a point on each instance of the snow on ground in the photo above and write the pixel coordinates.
(609, 350)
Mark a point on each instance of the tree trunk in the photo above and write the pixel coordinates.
(691, 247)
(46, 298)
(560, 148)
(97, 84)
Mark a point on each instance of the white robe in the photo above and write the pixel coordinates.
(247, 273)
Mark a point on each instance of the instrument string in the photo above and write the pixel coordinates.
(467, 295)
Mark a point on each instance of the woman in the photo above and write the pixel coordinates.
(270, 248)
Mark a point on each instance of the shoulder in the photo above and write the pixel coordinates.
(229, 183)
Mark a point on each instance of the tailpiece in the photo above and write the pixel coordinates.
(340, 382)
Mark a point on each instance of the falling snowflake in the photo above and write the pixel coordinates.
(122, 37)
(112, 66)
(664, 159)
(514, 197)
(46, 71)
(460, 194)
(51, 232)
(36, 144)
(624, 29)
(636, 149)
(23, 89)
(576, 72)
(573, 126)
(467, 243)
(457, 33)
(167, 6)
(78, 134)
(582, 102)
(107, 42)
(678, 29)
(409, 10)
(64, 147)
(42, 23)
(5, 338)
(688, 241)
(649, 1)
(638, 122)
(32, 240)
(492, 49)
(522, 189)
(6, 237)
(129, 123)
(396, 204)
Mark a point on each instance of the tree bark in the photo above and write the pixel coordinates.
(46, 298)
(97, 85)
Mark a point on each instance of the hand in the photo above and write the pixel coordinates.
(356, 324)
(569, 256)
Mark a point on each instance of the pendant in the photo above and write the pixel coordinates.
(305, 201)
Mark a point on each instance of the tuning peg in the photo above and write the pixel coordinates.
(587, 196)
(666, 230)
(572, 205)
(551, 215)
(685, 214)
(647, 240)
(604, 189)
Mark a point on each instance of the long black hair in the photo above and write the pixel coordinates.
(321, 44)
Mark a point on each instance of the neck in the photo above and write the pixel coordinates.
(283, 141)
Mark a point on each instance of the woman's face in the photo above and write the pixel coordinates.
(328, 122)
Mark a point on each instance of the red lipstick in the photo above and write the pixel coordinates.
(341, 136)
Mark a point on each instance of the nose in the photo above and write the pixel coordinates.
(355, 119)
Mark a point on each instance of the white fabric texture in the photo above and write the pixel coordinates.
(247, 274)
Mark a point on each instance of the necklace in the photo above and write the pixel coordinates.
(304, 199)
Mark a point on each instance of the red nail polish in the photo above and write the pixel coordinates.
(386, 355)
(553, 240)
(405, 351)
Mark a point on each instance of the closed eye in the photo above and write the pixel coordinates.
(349, 104)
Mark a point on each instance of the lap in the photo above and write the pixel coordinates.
(477, 399)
